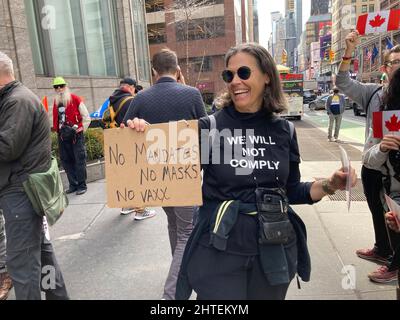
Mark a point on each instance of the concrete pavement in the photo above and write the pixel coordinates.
(107, 256)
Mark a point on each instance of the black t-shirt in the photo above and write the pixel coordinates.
(258, 158)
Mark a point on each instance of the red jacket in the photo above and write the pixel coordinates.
(73, 116)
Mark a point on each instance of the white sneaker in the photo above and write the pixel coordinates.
(146, 214)
(126, 211)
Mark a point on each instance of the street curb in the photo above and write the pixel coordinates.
(95, 172)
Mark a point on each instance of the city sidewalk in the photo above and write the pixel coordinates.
(107, 256)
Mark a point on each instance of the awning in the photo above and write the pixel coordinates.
(283, 69)
(99, 113)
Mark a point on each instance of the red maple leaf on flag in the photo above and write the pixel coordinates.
(377, 21)
(393, 125)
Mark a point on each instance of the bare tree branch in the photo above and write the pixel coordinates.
(185, 12)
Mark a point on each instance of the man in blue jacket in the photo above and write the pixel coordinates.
(170, 100)
(335, 106)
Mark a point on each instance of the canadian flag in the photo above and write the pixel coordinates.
(379, 22)
(386, 122)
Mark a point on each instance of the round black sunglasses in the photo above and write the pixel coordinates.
(243, 73)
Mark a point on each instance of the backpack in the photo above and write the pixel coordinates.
(110, 114)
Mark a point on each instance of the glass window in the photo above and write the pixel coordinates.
(99, 33)
(141, 41)
(364, 9)
(63, 44)
(154, 5)
(199, 64)
(371, 8)
(34, 37)
(81, 41)
(157, 33)
(206, 28)
(202, 64)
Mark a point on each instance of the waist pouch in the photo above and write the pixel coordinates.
(67, 133)
(274, 224)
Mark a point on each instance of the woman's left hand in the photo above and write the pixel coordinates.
(137, 124)
(338, 180)
(391, 221)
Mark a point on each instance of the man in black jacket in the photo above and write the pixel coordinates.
(122, 98)
(170, 100)
(25, 147)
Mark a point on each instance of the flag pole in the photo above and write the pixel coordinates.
(380, 50)
(370, 68)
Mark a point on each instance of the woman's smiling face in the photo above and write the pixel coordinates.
(247, 95)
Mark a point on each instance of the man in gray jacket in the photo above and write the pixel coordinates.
(25, 148)
(335, 106)
(370, 96)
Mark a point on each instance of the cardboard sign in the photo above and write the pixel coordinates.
(160, 167)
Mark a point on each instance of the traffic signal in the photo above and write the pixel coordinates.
(284, 56)
(331, 55)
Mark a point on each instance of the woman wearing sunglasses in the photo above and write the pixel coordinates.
(243, 245)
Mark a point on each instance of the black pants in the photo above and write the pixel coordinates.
(73, 159)
(31, 261)
(216, 275)
(372, 183)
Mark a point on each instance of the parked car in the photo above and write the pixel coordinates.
(320, 102)
(308, 96)
(357, 109)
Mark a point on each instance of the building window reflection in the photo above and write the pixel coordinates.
(81, 41)
(141, 41)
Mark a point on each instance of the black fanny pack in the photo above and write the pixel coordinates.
(274, 224)
(67, 133)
